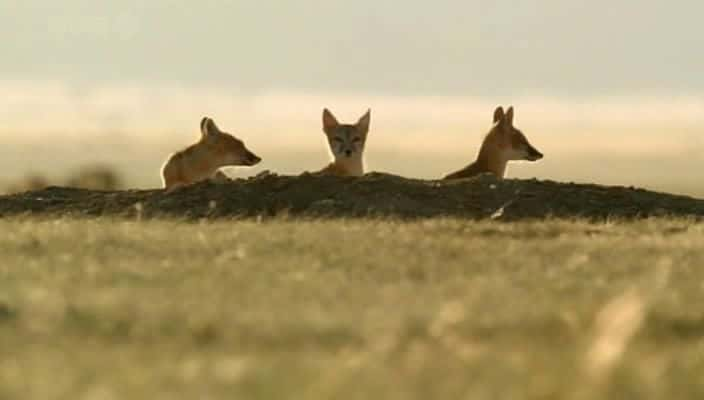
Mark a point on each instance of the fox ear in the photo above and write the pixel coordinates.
(329, 121)
(509, 116)
(207, 126)
(498, 114)
(364, 121)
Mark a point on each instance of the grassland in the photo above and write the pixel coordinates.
(351, 309)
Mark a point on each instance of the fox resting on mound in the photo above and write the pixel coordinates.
(202, 160)
(346, 142)
(502, 144)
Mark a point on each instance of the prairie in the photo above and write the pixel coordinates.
(107, 308)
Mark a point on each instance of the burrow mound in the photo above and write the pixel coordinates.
(374, 195)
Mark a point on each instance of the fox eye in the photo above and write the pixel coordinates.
(337, 139)
(356, 140)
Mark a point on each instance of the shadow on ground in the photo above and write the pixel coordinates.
(375, 195)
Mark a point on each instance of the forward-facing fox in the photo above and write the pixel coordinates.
(502, 144)
(201, 161)
(347, 145)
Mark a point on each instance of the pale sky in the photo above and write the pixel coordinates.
(621, 81)
(385, 47)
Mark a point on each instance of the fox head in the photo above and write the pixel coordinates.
(346, 141)
(508, 141)
(227, 148)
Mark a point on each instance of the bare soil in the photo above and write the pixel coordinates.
(374, 195)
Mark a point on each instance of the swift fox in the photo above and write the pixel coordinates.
(347, 145)
(201, 160)
(502, 144)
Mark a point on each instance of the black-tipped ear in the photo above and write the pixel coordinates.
(509, 116)
(498, 114)
(329, 121)
(364, 121)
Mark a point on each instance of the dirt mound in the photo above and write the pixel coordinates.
(375, 195)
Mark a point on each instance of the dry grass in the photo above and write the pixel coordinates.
(112, 309)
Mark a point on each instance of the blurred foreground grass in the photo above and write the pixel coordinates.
(443, 309)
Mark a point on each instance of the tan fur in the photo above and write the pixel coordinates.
(502, 144)
(201, 161)
(346, 143)
(337, 170)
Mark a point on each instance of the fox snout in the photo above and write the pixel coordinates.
(251, 158)
(534, 154)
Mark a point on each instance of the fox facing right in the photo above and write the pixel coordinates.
(202, 160)
(502, 144)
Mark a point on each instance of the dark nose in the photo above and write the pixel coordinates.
(253, 158)
(536, 154)
(348, 153)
